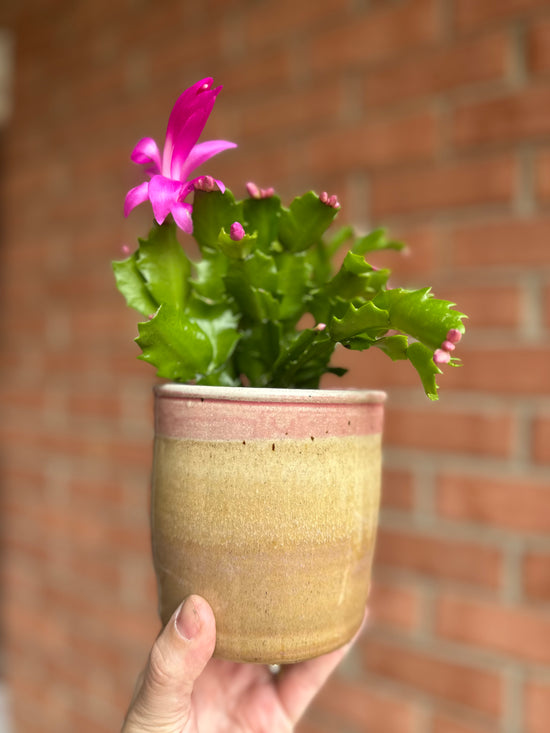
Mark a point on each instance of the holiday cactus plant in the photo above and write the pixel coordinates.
(238, 315)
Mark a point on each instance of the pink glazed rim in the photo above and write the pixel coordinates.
(270, 394)
(228, 413)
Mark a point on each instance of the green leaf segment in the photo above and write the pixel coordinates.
(236, 315)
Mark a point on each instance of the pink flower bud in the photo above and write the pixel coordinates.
(448, 346)
(441, 357)
(454, 336)
(205, 183)
(320, 326)
(125, 250)
(331, 201)
(236, 232)
(256, 192)
(253, 190)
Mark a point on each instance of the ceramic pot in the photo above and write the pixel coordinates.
(265, 502)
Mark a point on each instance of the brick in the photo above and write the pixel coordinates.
(28, 397)
(536, 706)
(292, 113)
(538, 47)
(268, 166)
(436, 429)
(504, 242)
(374, 144)
(394, 606)
(519, 504)
(536, 576)
(501, 370)
(434, 556)
(488, 305)
(370, 371)
(440, 70)
(443, 724)
(421, 258)
(397, 489)
(541, 439)
(468, 685)
(472, 14)
(542, 175)
(365, 707)
(375, 36)
(517, 117)
(512, 631)
(265, 23)
(94, 403)
(466, 183)
(270, 70)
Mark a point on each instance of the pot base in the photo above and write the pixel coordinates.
(279, 544)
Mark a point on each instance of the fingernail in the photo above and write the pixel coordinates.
(188, 622)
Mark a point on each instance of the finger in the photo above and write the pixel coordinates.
(298, 684)
(177, 658)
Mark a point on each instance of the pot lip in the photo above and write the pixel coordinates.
(269, 394)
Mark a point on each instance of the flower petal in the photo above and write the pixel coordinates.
(199, 95)
(136, 196)
(182, 216)
(202, 152)
(188, 135)
(146, 152)
(163, 193)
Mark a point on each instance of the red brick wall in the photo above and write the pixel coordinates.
(429, 116)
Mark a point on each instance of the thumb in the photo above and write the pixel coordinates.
(178, 656)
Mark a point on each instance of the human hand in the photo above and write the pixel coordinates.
(183, 690)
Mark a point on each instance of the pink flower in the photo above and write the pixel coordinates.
(170, 181)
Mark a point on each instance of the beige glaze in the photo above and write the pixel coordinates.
(277, 534)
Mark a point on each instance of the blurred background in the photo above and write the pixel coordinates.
(430, 117)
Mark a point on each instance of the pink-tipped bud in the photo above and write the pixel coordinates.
(331, 201)
(253, 190)
(454, 336)
(125, 250)
(256, 192)
(320, 326)
(236, 232)
(441, 357)
(205, 183)
(448, 346)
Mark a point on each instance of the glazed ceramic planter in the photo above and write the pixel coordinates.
(265, 502)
